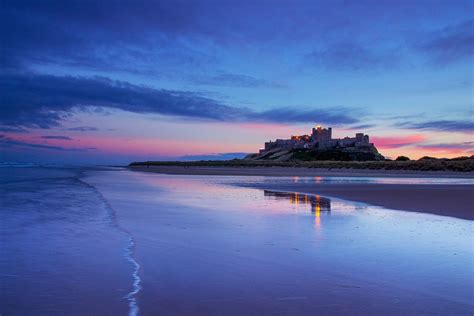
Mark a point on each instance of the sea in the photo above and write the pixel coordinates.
(110, 241)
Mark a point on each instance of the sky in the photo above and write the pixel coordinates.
(110, 82)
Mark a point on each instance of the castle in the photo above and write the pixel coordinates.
(320, 138)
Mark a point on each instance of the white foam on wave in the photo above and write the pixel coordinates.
(132, 301)
(129, 253)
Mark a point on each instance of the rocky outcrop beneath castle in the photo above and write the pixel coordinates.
(319, 146)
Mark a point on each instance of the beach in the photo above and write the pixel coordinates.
(454, 200)
(102, 241)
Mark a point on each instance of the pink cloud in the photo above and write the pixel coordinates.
(442, 149)
(397, 141)
(450, 148)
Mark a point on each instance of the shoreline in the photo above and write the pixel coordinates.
(453, 200)
(299, 172)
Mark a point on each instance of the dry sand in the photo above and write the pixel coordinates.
(441, 199)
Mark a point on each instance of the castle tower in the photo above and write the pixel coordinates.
(320, 134)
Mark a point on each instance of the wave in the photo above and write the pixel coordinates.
(14, 164)
(131, 296)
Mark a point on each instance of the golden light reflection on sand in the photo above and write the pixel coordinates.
(316, 203)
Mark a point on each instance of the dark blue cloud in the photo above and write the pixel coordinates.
(348, 56)
(60, 137)
(440, 125)
(362, 126)
(237, 80)
(450, 44)
(142, 37)
(296, 114)
(43, 101)
(12, 129)
(83, 129)
(8, 142)
(157, 37)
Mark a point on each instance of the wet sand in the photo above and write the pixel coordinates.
(76, 240)
(441, 199)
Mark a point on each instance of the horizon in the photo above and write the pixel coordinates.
(111, 83)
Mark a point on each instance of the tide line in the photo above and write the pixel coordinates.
(129, 252)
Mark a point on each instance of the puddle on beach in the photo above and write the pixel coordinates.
(358, 180)
(316, 203)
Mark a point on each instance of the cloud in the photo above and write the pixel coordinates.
(237, 80)
(448, 146)
(161, 38)
(55, 33)
(217, 156)
(397, 142)
(83, 129)
(451, 44)
(347, 56)
(8, 142)
(463, 148)
(165, 37)
(440, 125)
(42, 101)
(418, 142)
(12, 129)
(362, 126)
(56, 137)
(335, 115)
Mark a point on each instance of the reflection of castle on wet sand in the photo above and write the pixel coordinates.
(318, 203)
